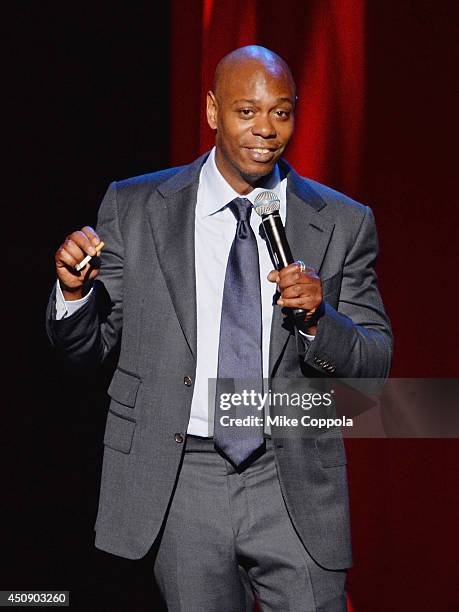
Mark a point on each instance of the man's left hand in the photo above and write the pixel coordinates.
(299, 290)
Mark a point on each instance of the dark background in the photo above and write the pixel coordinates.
(87, 93)
(88, 103)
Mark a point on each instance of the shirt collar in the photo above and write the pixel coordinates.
(217, 192)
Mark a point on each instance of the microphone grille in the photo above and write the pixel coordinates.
(266, 203)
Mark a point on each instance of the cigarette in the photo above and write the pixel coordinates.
(88, 258)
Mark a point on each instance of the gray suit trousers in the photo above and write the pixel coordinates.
(228, 538)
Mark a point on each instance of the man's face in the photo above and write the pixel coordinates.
(253, 113)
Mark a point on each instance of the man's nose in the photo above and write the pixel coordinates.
(264, 127)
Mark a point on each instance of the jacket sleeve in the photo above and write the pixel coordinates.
(85, 338)
(354, 341)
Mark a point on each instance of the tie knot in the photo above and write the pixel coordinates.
(241, 209)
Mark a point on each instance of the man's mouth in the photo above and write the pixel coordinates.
(261, 154)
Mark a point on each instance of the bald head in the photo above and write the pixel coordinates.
(251, 109)
(246, 60)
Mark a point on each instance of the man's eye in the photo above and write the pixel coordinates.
(283, 114)
(246, 112)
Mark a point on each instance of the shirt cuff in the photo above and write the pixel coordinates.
(66, 308)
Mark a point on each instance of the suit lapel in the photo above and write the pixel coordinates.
(308, 234)
(172, 224)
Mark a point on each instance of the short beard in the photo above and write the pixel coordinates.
(255, 179)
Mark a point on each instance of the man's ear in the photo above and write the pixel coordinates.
(212, 110)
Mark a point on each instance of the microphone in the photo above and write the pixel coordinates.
(267, 205)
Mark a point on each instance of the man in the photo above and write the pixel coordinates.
(186, 277)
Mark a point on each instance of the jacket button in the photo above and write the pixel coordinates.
(187, 381)
(178, 437)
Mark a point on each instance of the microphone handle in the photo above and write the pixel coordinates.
(280, 251)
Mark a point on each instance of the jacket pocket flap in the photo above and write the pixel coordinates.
(331, 449)
(123, 388)
(119, 432)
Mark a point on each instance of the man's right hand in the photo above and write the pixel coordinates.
(73, 250)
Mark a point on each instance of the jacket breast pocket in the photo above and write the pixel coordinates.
(121, 421)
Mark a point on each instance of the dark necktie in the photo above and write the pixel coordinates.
(240, 351)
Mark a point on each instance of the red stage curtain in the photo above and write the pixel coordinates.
(323, 42)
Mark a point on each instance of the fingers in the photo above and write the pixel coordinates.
(291, 275)
(68, 254)
(307, 302)
(76, 246)
(273, 276)
(299, 289)
(90, 235)
(86, 239)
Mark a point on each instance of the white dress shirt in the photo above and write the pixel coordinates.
(215, 228)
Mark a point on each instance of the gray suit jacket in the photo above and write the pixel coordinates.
(145, 299)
